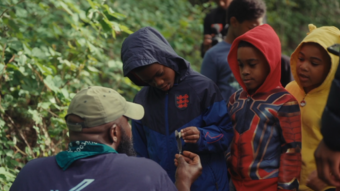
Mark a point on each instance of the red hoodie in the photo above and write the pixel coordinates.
(265, 152)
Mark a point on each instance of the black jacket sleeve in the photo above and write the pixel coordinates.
(331, 115)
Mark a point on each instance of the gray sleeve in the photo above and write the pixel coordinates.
(166, 183)
(20, 182)
(209, 68)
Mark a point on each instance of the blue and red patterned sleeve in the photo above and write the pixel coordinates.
(290, 160)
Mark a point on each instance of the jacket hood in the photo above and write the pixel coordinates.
(266, 40)
(325, 37)
(147, 46)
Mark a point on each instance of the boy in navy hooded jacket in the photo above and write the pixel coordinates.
(176, 98)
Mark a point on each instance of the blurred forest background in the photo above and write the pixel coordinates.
(51, 49)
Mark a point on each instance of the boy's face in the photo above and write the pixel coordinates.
(253, 66)
(241, 28)
(157, 75)
(312, 66)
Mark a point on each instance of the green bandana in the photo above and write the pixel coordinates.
(81, 149)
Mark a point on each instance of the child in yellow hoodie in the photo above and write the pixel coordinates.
(313, 68)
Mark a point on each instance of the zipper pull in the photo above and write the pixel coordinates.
(303, 102)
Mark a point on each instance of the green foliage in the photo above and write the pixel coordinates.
(290, 18)
(178, 20)
(51, 49)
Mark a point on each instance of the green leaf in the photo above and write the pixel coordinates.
(35, 116)
(44, 105)
(125, 29)
(43, 69)
(106, 26)
(2, 66)
(65, 93)
(109, 11)
(22, 59)
(26, 50)
(92, 48)
(50, 83)
(2, 123)
(65, 7)
(36, 52)
(14, 67)
(4, 172)
(92, 69)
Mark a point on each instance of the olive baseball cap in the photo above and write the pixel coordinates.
(99, 105)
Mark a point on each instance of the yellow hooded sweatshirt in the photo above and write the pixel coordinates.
(315, 99)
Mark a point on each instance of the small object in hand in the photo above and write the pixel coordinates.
(178, 136)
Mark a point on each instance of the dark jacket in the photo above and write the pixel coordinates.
(194, 100)
(215, 67)
(331, 115)
(286, 74)
(100, 172)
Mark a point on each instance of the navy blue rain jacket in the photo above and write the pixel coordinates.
(194, 100)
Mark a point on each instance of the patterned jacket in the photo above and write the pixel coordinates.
(265, 152)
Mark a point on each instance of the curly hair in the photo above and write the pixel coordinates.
(244, 10)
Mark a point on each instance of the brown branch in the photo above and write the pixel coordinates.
(20, 151)
(3, 51)
(42, 80)
(12, 59)
(10, 119)
(49, 143)
(24, 138)
(49, 111)
(67, 83)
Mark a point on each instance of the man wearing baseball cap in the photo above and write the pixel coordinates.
(100, 140)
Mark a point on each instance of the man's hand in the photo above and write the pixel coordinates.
(189, 168)
(190, 134)
(328, 164)
(315, 183)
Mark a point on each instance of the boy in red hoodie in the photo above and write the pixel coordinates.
(265, 152)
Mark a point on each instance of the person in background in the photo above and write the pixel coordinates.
(176, 99)
(313, 68)
(286, 74)
(243, 15)
(265, 152)
(98, 155)
(327, 155)
(215, 23)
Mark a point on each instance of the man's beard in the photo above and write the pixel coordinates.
(126, 145)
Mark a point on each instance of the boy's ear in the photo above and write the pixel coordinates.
(234, 22)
